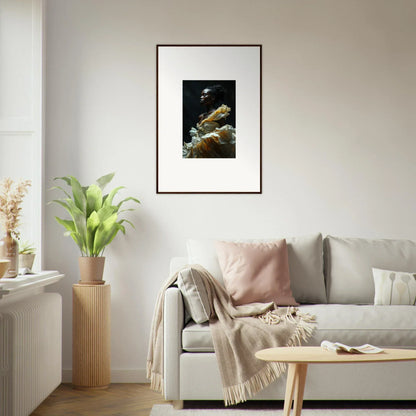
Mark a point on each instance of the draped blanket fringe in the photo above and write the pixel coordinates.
(156, 380)
(237, 332)
(272, 370)
(241, 392)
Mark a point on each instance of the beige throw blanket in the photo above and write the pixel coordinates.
(238, 332)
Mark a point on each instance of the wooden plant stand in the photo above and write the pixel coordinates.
(91, 342)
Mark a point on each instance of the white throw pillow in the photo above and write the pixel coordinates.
(394, 288)
(194, 294)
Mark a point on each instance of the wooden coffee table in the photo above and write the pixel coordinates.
(298, 359)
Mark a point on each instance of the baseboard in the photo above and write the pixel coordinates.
(137, 375)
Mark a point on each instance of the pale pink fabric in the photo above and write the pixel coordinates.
(256, 272)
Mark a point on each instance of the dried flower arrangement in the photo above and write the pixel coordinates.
(11, 198)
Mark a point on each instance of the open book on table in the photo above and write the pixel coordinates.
(362, 349)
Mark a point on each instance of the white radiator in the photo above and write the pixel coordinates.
(30, 352)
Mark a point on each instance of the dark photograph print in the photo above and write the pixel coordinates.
(208, 119)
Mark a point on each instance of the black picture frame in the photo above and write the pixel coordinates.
(181, 66)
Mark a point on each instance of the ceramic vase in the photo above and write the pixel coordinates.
(9, 250)
(4, 266)
(26, 261)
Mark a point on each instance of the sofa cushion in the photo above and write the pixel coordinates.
(256, 272)
(384, 326)
(197, 338)
(349, 263)
(394, 288)
(191, 284)
(177, 263)
(305, 264)
(203, 252)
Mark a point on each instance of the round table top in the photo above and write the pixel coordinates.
(309, 355)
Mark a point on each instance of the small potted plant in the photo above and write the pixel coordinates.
(94, 222)
(27, 253)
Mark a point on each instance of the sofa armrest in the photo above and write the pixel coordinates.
(172, 349)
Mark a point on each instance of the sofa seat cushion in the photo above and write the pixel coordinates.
(197, 338)
(392, 326)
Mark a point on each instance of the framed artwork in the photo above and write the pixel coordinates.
(208, 119)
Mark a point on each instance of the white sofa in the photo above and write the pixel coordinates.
(332, 279)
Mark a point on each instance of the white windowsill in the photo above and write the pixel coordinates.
(28, 281)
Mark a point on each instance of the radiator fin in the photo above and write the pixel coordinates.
(31, 352)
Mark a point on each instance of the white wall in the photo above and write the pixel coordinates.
(339, 99)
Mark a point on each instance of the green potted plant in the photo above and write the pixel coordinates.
(27, 253)
(94, 221)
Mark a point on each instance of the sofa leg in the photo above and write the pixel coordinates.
(178, 404)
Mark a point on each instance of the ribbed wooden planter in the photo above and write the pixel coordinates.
(91, 330)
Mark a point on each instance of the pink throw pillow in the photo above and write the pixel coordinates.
(256, 272)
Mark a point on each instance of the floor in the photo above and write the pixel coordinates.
(118, 400)
(138, 399)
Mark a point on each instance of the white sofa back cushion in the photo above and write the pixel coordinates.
(305, 264)
(177, 263)
(349, 263)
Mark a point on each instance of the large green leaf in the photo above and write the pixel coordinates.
(130, 198)
(59, 188)
(116, 229)
(63, 178)
(78, 194)
(68, 224)
(63, 203)
(94, 199)
(128, 222)
(105, 212)
(71, 230)
(121, 228)
(77, 240)
(109, 199)
(80, 222)
(104, 233)
(93, 222)
(104, 180)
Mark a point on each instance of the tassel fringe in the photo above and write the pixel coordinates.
(269, 318)
(156, 380)
(304, 328)
(241, 392)
(273, 370)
